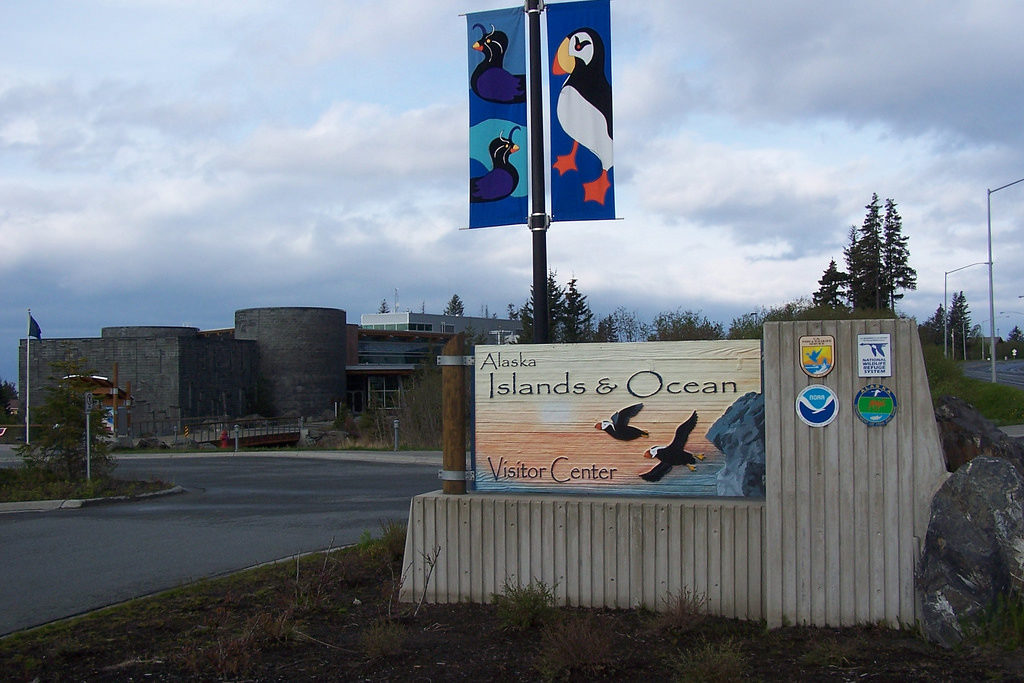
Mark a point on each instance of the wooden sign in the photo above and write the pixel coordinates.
(606, 418)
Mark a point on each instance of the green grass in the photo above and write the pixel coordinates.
(23, 483)
(524, 607)
(1001, 404)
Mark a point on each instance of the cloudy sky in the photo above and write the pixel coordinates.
(167, 162)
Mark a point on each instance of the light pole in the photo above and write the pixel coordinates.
(945, 305)
(991, 294)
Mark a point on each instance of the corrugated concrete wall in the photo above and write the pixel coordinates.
(596, 552)
(847, 504)
(835, 542)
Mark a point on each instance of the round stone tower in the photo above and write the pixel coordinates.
(301, 355)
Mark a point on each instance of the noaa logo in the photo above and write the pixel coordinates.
(817, 405)
(875, 405)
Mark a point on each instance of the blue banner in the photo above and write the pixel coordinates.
(498, 176)
(582, 175)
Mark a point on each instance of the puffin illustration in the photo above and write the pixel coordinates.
(490, 80)
(618, 424)
(584, 106)
(673, 454)
(503, 177)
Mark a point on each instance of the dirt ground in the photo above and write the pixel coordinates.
(332, 617)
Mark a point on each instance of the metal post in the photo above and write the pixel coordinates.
(395, 425)
(538, 222)
(88, 444)
(945, 306)
(236, 438)
(991, 293)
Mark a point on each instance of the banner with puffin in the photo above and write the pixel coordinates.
(579, 40)
(498, 175)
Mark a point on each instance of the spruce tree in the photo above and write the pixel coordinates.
(556, 312)
(959, 323)
(577, 321)
(832, 287)
(896, 270)
(455, 306)
(864, 261)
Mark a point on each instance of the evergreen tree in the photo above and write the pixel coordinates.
(383, 308)
(864, 261)
(7, 394)
(896, 270)
(832, 290)
(455, 306)
(959, 323)
(61, 448)
(606, 331)
(577, 320)
(932, 329)
(556, 306)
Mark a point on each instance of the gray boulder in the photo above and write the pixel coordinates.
(739, 434)
(974, 546)
(965, 434)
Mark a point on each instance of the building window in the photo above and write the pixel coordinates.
(385, 391)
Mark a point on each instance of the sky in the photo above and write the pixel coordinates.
(167, 162)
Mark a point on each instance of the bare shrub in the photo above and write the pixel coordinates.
(683, 612)
(579, 644)
(382, 639)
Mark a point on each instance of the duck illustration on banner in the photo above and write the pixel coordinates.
(581, 121)
(503, 178)
(496, 49)
(490, 80)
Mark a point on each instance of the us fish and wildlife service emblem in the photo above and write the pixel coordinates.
(875, 405)
(817, 354)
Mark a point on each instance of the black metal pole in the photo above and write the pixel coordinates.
(538, 222)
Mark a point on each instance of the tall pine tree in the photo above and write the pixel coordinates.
(832, 287)
(864, 261)
(577, 320)
(896, 270)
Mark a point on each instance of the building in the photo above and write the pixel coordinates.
(493, 330)
(279, 361)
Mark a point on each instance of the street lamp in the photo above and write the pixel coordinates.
(945, 305)
(991, 294)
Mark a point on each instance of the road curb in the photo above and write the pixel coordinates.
(75, 503)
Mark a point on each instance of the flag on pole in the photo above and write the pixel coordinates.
(498, 176)
(33, 328)
(582, 176)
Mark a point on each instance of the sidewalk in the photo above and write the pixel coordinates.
(8, 456)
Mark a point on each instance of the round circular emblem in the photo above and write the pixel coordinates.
(875, 405)
(817, 405)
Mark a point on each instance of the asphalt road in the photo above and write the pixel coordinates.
(237, 511)
(1009, 372)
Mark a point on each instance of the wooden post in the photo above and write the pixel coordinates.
(453, 402)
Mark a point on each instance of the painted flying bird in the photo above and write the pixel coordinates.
(503, 177)
(673, 454)
(584, 106)
(490, 81)
(618, 424)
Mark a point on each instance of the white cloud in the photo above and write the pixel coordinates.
(163, 160)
